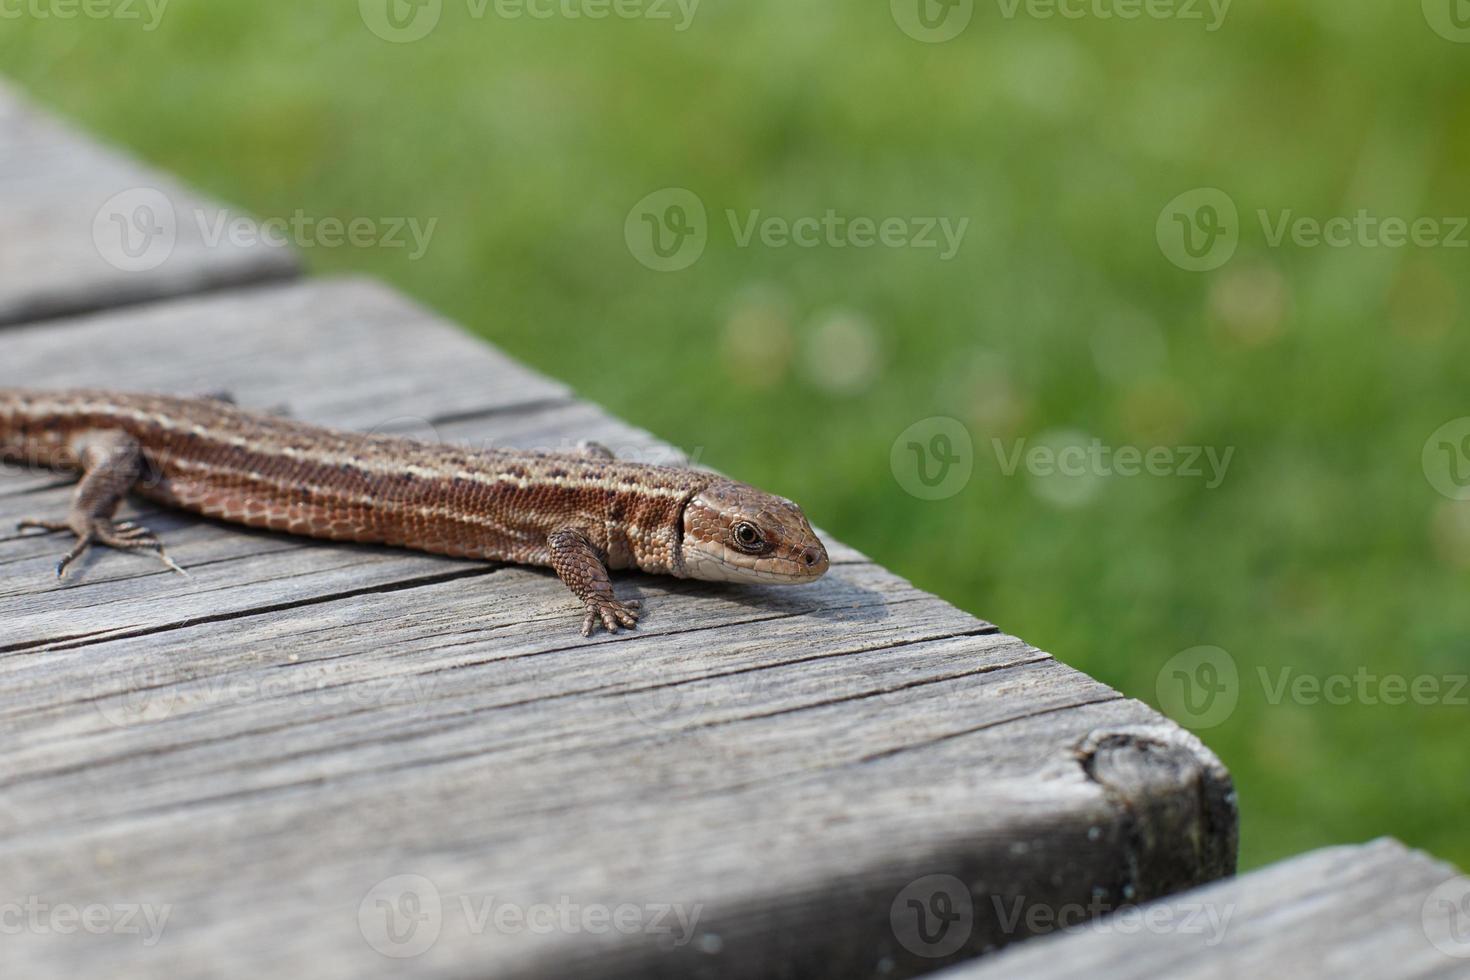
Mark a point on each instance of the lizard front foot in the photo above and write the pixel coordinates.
(612, 613)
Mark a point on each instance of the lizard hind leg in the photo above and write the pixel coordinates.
(112, 462)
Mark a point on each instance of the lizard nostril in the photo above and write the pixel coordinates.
(811, 556)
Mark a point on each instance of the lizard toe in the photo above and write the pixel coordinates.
(35, 525)
(84, 542)
(609, 619)
(131, 537)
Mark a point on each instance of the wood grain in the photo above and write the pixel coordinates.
(1378, 910)
(269, 748)
(58, 257)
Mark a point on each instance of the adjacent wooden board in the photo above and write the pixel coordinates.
(339, 761)
(1377, 910)
(82, 227)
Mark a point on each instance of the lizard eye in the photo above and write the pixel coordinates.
(748, 537)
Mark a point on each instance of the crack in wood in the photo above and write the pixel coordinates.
(980, 728)
(414, 583)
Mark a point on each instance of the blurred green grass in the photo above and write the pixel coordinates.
(1324, 550)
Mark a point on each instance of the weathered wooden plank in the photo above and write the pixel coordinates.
(1376, 910)
(82, 227)
(268, 748)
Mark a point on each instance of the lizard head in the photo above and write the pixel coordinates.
(736, 533)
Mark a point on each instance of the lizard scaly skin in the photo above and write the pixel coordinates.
(579, 513)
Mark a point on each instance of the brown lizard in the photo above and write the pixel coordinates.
(580, 513)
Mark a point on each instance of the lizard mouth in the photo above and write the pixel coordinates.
(722, 566)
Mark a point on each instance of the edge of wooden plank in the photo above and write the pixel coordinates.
(72, 194)
(1377, 909)
(956, 900)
